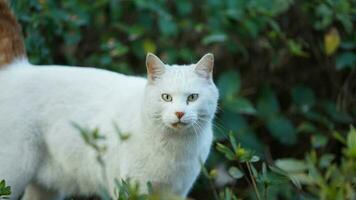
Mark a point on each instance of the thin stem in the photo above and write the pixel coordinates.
(253, 180)
(265, 192)
(104, 172)
(216, 197)
(248, 180)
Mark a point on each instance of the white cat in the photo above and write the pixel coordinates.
(168, 116)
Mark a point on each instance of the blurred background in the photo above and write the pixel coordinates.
(286, 71)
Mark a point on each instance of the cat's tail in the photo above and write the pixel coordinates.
(12, 46)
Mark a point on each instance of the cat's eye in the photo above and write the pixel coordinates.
(166, 97)
(192, 97)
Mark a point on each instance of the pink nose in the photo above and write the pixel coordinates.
(179, 114)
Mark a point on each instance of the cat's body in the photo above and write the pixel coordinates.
(168, 118)
(38, 106)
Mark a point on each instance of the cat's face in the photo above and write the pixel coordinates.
(181, 96)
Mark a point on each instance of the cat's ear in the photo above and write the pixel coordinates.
(155, 67)
(205, 66)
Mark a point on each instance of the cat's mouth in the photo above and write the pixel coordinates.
(179, 124)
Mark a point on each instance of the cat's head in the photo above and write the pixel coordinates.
(180, 96)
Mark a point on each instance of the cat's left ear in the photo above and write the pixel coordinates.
(155, 67)
(205, 66)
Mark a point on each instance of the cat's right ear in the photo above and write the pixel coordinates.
(205, 66)
(155, 67)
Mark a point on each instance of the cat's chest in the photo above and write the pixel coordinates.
(145, 151)
(161, 162)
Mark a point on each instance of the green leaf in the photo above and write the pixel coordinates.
(251, 27)
(338, 137)
(346, 60)
(229, 154)
(240, 105)
(233, 141)
(233, 121)
(326, 160)
(167, 26)
(149, 46)
(331, 41)
(303, 97)
(335, 114)
(307, 127)
(351, 143)
(351, 138)
(319, 140)
(267, 103)
(149, 187)
(301, 178)
(214, 38)
(296, 48)
(184, 7)
(325, 14)
(282, 129)
(318, 117)
(273, 178)
(250, 140)
(291, 165)
(229, 85)
(346, 21)
(4, 190)
(255, 159)
(245, 155)
(236, 173)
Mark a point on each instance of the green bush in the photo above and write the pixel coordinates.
(326, 176)
(285, 70)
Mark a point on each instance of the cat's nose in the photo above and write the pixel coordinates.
(179, 114)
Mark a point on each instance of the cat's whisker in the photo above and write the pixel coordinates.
(195, 131)
(198, 125)
(216, 125)
(215, 122)
(217, 119)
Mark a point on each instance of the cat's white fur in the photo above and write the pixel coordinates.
(42, 152)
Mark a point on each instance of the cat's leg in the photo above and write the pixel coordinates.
(16, 174)
(18, 165)
(37, 192)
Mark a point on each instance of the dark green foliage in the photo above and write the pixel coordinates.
(319, 176)
(285, 69)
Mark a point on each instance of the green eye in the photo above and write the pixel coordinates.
(167, 97)
(192, 97)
